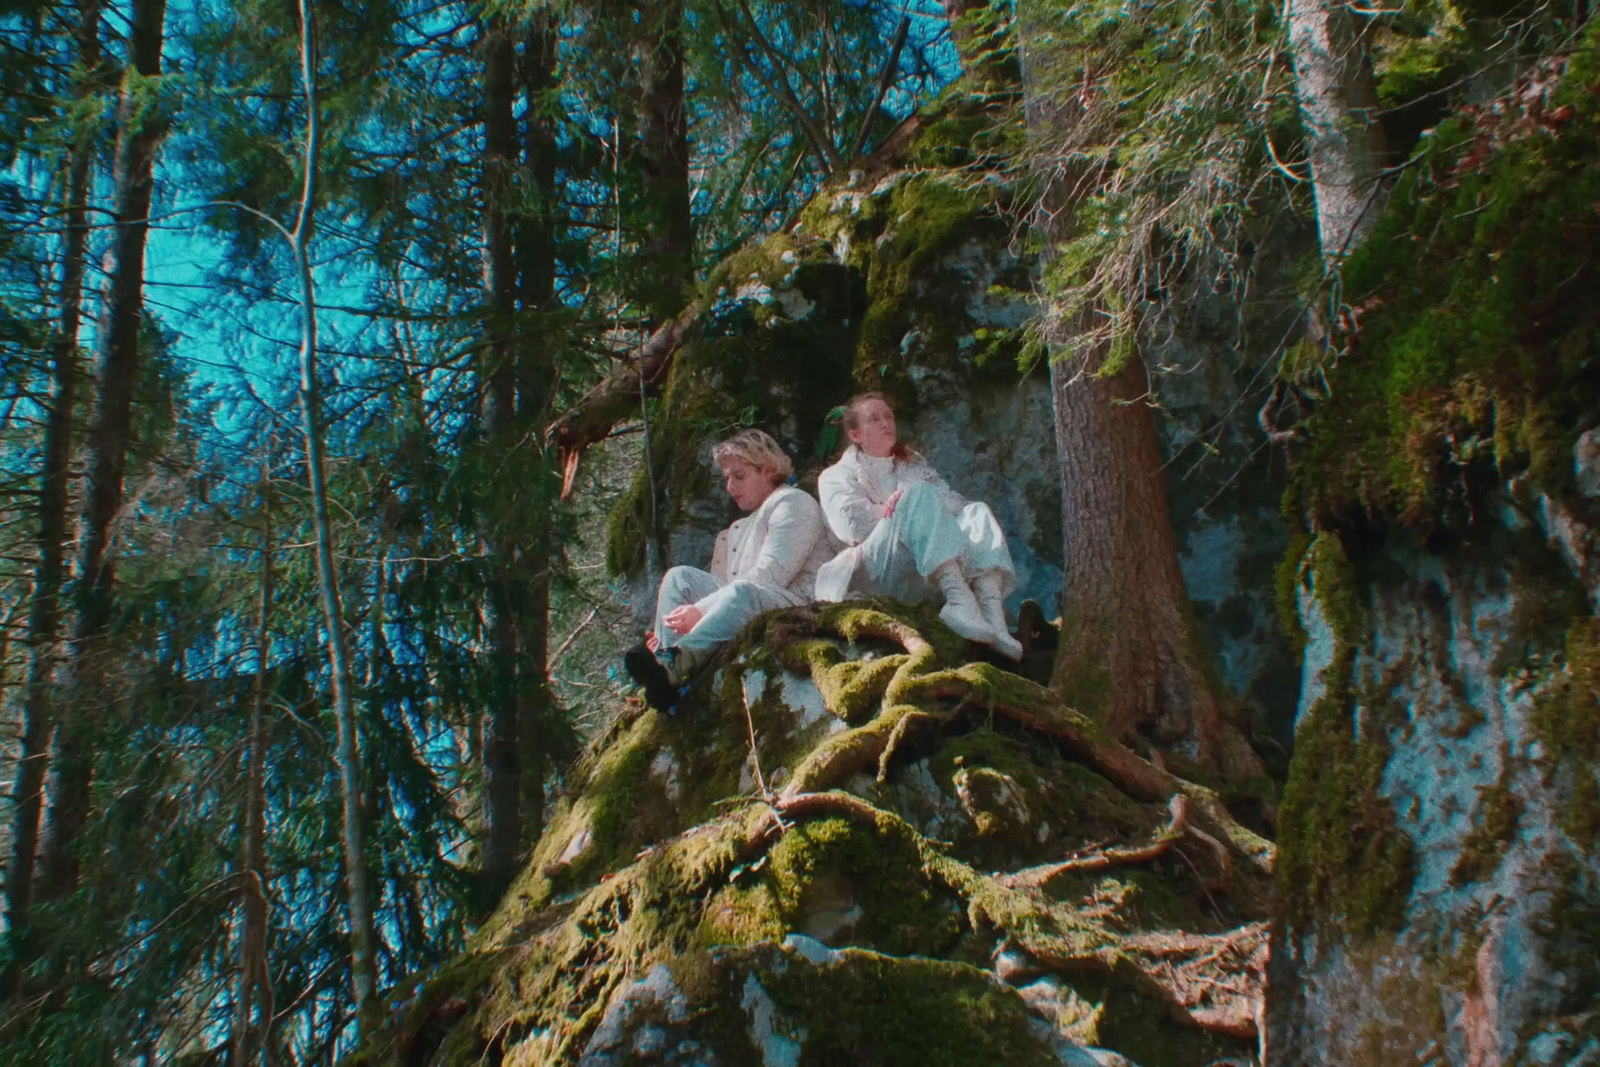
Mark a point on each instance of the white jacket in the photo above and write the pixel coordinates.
(852, 499)
(779, 544)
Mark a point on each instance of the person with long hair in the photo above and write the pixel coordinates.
(909, 534)
(766, 560)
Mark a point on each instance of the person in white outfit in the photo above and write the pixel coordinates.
(766, 560)
(909, 534)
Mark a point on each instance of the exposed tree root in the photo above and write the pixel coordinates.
(916, 681)
(1210, 981)
(915, 717)
(1101, 859)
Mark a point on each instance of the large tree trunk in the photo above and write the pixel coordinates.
(55, 479)
(1339, 108)
(253, 977)
(502, 771)
(140, 129)
(667, 270)
(1130, 653)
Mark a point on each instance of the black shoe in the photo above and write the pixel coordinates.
(660, 691)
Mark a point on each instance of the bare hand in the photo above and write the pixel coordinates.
(681, 620)
(894, 498)
(651, 643)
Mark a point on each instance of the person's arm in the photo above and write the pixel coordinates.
(850, 514)
(792, 531)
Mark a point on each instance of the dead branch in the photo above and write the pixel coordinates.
(589, 420)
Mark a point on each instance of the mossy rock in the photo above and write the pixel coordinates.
(889, 275)
(691, 925)
(1468, 354)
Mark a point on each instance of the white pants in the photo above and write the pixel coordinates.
(903, 550)
(725, 607)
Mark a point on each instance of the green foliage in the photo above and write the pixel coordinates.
(1466, 347)
(1156, 121)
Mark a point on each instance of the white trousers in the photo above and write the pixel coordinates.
(903, 550)
(725, 607)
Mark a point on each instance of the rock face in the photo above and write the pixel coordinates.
(1438, 877)
(908, 276)
(852, 846)
(1449, 846)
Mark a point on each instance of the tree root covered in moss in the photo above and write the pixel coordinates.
(1101, 859)
(1210, 981)
(917, 685)
(538, 979)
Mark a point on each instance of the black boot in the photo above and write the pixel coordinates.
(660, 690)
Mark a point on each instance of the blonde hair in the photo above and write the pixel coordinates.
(757, 448)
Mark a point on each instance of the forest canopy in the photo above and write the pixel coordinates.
(335, 339)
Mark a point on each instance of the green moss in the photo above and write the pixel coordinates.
(986, 748)
(1499, 810)
(1286, 588)
(929, 216)
(875, 1010)
(738, 915)
(1474, 354)
(1343, 863)
(840, 868)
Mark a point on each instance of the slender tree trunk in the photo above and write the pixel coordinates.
(363, 937)
(1339, 108)
(253, 893)
(663, 157)
(502, 786)
(140, 129)
(1130, 652)
(536, 368)
(56, 477)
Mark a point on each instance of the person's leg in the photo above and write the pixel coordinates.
(659, 672)
(988, 588)
(682, 585)
(923, 531)
(725, 613)
(985, 545)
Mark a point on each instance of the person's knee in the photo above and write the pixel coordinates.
(743, 592)
(921, 492)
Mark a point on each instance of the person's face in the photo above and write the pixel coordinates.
(874, 432)
(749, 486)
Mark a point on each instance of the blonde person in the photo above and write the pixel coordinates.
(910, 535)
(766, 560)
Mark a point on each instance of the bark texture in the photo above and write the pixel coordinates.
(502, 786)
(1338, 107)
(663, 158)
(44, 622)
(1129, 650)
(140, 128)
(1130, 653)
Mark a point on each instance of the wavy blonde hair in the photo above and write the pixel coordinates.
(757, 448)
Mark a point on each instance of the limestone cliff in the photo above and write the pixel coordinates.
(1439, 882)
